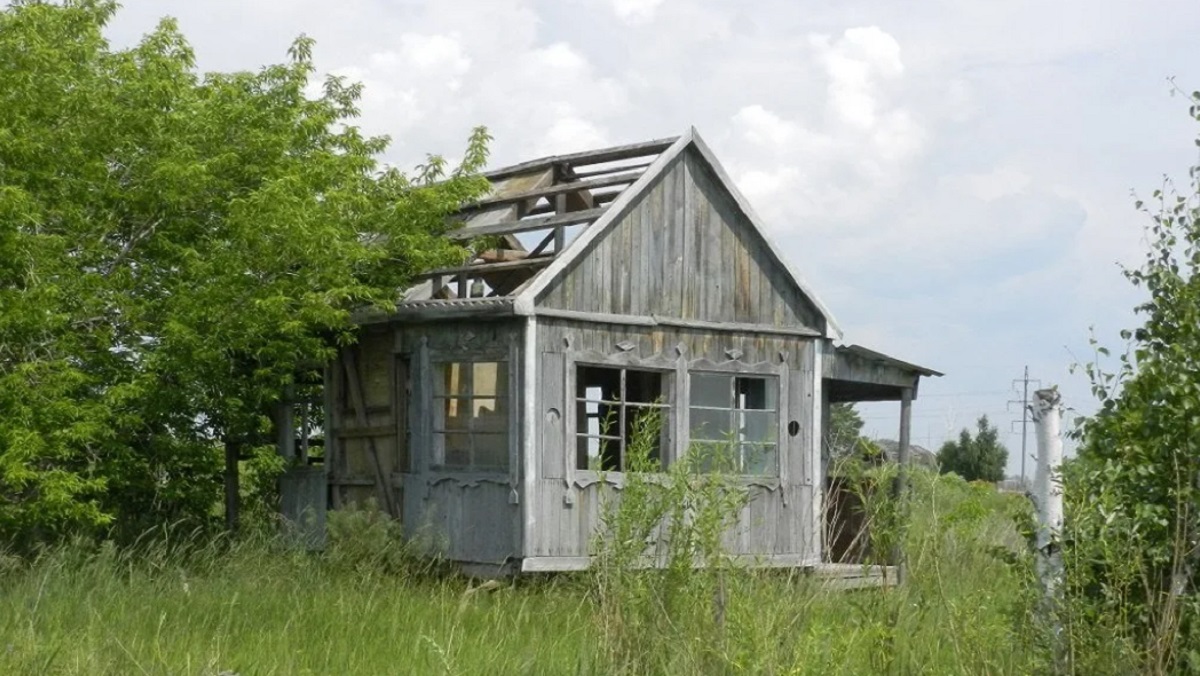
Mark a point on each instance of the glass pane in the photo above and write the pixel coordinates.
(759, 459)
(490, 379)
(756, 394)
(457, 450)
(453, 415)
(708, 389)
(707, 456)
(452, 382)
(598, 383)
(489, 416)
(758, 426)
(646, 431)
(643, 387)
(710, 425)
(491, 451)
(587, 453)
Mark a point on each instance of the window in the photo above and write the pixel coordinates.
(734, 422)
(470, 416)
(616, 408)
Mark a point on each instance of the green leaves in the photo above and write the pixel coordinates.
(981, 458)
(174, 248)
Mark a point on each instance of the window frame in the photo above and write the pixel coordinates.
(668, 407)
(775, 385)
(436, 458)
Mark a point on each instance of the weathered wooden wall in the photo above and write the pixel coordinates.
(779, 521)
(684, 250)
(469, 517)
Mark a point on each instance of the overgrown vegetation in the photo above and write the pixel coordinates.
(174, 249)
(1132, 495)
(367, 605)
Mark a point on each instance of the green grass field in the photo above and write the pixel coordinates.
(254, 607)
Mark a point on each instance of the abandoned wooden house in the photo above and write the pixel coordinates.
(488, 408)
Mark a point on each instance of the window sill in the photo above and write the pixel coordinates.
(584, 478)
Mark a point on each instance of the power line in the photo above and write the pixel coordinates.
(1024, 402)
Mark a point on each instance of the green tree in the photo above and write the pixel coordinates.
(174, 249)
(1132, 493)
(845, 429)
(978, 458)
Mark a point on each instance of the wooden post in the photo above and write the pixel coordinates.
(1047, 417)
(232, 484)
(900, 486)
(285, 432)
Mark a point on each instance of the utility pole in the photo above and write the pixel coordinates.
(1024, 402)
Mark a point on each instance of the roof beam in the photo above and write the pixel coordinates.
(559, 189)
(526, 225)
(481, 268)
(589, 157)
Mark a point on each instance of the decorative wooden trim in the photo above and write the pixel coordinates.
(673, 322)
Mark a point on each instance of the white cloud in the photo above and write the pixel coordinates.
(916, 160)
(636, 11)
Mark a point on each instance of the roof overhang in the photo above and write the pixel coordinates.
(855, 373)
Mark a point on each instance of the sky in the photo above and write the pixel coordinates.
(955, 179)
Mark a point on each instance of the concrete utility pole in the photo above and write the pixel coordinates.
(1047, 416)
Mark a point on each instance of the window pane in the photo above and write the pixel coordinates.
(760, 459)
(488, 415)
(452, 382)
(587, 453)
(597, 383)
(643, 387)
(453, 414)
(712, 456)
(756, 394)
(710, 390)
(758, 426)
(491, 451)
(490, 379)
(713, 425)
(457, 450)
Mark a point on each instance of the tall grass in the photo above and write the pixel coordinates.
(368, 606)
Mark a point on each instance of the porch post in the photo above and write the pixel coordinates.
(900, 486)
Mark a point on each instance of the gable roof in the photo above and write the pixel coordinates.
(586, 192)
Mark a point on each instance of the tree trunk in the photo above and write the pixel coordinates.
(232, 485)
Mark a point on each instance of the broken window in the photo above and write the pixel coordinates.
(619, 410)
(470, 416)
(734, 423)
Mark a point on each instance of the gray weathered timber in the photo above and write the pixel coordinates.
(570, 503)
(673, 285)
(613, 154)
(527, 224)
(555, 190)
(717, 267)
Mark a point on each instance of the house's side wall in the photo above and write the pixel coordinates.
(352, 448)
(778, 522)
(684, 250)
(468, 517)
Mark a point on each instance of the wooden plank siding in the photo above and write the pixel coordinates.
(569, 503)
(683, 250)
(467, 517)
